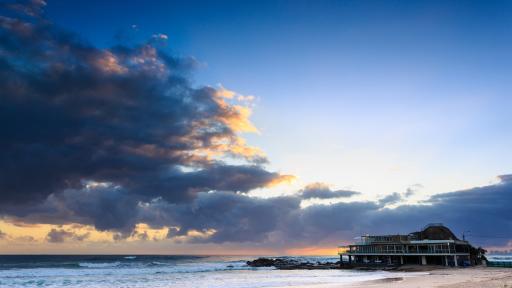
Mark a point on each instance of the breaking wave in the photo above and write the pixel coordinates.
(164, 271)
(99, 265)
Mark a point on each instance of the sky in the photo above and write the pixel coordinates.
(355, 89)
(201, 115)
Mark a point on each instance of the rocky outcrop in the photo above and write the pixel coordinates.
(290, 264)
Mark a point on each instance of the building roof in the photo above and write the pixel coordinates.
(435, 231)
(431, 232)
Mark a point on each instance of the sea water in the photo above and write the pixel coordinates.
(499, 257)
(167, 271)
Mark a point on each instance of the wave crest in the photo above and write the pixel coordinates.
(99, 265)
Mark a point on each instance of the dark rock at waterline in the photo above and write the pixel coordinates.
(269, 262)
(289, 264)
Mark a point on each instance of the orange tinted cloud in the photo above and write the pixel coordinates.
(108, 62)
(39, 232)
(225, 93)
(282, 179)
(236, 117)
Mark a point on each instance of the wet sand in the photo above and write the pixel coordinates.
(448, 278)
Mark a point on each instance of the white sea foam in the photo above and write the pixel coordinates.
(99, 265)
(500, 258)
(216, 273)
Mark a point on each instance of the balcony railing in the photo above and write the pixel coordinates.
(403, 252)
(400, 249)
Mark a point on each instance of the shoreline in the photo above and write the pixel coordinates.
(471, 277)
(428, 276)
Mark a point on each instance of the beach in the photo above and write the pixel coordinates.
(472, 277)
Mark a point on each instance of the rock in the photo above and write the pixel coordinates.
(262, 262)
(289, 264)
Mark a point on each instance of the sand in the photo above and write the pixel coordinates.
(481, 277)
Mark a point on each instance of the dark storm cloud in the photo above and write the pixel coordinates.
(71, 113)
(482, 210)
(322, 191)
(281, 222)
(234, 217)
(61, 235)
(106, 208)
(172, 232)
(57, 236)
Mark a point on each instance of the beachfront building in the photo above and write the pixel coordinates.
(434, 245)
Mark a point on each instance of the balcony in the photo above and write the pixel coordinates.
(439, 249)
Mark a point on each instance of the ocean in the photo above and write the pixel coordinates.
(166, 271)
(499, 257)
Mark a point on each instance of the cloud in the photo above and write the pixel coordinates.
(160, 36)
(140, 235)
(505, 178)
(32, 8)
(282, 222)
(233, 217)
(61, 235)
(411, 190)
(172, 232)
(57, 236)
(26, 238)
(472, 209)
(392, 198)
(322, 191)
(395, 197)
(127, 117)
(3, 235)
